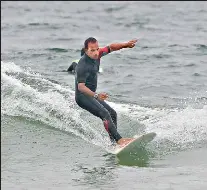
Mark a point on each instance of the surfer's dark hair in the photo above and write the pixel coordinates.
(82, 52)
(89, 40)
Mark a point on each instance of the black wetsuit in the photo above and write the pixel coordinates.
(86, 72)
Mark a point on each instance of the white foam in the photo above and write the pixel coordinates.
(10, 67)
(177, 125)
(181, 126)
(19, 99)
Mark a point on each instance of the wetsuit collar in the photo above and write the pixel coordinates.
(89, 59)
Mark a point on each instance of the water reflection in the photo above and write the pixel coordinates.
(139, 158)
(107, 171)
(103, 175)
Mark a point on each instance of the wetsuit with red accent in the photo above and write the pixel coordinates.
(86, 72)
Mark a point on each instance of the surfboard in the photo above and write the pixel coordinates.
(134, 146)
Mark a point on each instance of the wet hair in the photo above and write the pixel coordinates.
(89, 40)
(82, 52)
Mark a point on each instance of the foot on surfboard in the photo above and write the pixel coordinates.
(124, 141)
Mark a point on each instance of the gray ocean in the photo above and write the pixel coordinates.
(160, 85)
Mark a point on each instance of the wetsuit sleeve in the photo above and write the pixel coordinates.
(104, 51)
(81, 75)
(72, 67)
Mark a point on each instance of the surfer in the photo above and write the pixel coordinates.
(86, 83)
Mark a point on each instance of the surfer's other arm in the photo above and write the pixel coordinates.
(86, 90)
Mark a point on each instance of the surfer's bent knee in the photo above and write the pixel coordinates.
(105, 115)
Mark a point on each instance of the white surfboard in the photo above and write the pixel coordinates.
(135, 145)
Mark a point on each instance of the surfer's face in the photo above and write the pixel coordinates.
(92, 50)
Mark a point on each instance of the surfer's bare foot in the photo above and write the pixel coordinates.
(124, 141)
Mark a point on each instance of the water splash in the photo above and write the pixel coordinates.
(28, 94)
(55, 106)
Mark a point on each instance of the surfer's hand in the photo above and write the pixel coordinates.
(102, 96)
(131, 43)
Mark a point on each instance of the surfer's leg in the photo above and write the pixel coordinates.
(111, 111)
(113, 115)
(93, 106)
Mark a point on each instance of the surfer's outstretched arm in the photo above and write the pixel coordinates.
(115, 47)
(118, 46)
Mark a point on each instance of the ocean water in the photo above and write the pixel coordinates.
(160, 85)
